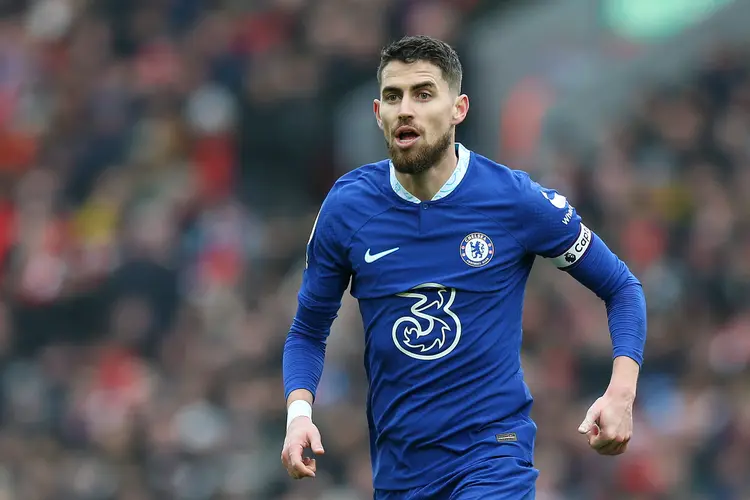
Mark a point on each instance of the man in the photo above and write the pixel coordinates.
(438, 244)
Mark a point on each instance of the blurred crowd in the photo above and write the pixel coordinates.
(160, 166)
(666, 187)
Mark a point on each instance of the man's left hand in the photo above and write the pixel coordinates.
(609, 423)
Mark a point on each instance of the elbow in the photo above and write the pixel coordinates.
(629, 300)
(308, 331)
(629, 290)
(628, 286)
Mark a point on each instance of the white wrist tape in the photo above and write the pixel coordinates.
(299, 408)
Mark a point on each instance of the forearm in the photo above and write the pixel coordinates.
(299, 404)
(624, 379)
(626, 315)
(305, 347)
(304, 355)
(299, 395)
(602, 272)
(303, 360)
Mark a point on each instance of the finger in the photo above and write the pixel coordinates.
(608, 444)
(295, 461)
(593, 433)
(592, 415)
(599, 441)
(297, 473)
(610, 448)
(315, 442)
(301, 472)
(622, 449)
(617, 449)
(310, 464)
(610, 436)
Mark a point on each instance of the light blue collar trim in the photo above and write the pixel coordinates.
(452, 183)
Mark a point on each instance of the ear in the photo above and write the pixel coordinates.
(376, 111)
(460, 109)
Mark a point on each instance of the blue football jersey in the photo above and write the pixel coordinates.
(440, 286)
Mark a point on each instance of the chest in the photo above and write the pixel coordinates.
(432, 243)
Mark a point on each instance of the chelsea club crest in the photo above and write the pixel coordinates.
(477, 249)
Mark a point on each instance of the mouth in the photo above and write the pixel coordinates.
(406, 137)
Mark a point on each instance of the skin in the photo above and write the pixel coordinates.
(418, 95)
(608, 425)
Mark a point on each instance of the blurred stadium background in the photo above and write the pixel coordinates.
(161, 162)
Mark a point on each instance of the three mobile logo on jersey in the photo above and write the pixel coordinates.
(430, 330)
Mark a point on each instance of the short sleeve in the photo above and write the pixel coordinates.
(549, 225)
(327, 271)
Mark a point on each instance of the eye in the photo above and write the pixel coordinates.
(391, 98)
(423, 95)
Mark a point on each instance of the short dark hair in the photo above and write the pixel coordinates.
(411, 49)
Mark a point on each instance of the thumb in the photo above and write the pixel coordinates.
(315, 442)
(591, 416)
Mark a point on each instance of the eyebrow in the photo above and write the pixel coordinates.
(416, 86)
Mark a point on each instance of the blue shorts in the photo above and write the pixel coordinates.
(504, 478)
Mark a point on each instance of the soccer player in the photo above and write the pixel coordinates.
(437, 244)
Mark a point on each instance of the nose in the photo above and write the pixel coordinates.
(406, 109)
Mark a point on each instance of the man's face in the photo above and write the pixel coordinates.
(417, 112)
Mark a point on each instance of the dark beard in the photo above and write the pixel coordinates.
(421, 158)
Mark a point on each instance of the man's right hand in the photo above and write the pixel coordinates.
(301, 434)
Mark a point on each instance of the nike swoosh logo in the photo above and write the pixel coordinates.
(370, 258)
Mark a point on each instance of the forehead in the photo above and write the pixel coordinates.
(402, 75)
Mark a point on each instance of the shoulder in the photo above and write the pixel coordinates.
(512, 187)
(354, 197)
(360, 182)
(538, 217)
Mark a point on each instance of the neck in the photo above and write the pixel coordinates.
(425, 185)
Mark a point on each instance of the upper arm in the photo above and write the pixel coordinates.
(327, 270)
(553, 229)
(549, 226)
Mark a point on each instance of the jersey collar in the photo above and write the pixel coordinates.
(452, 183)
